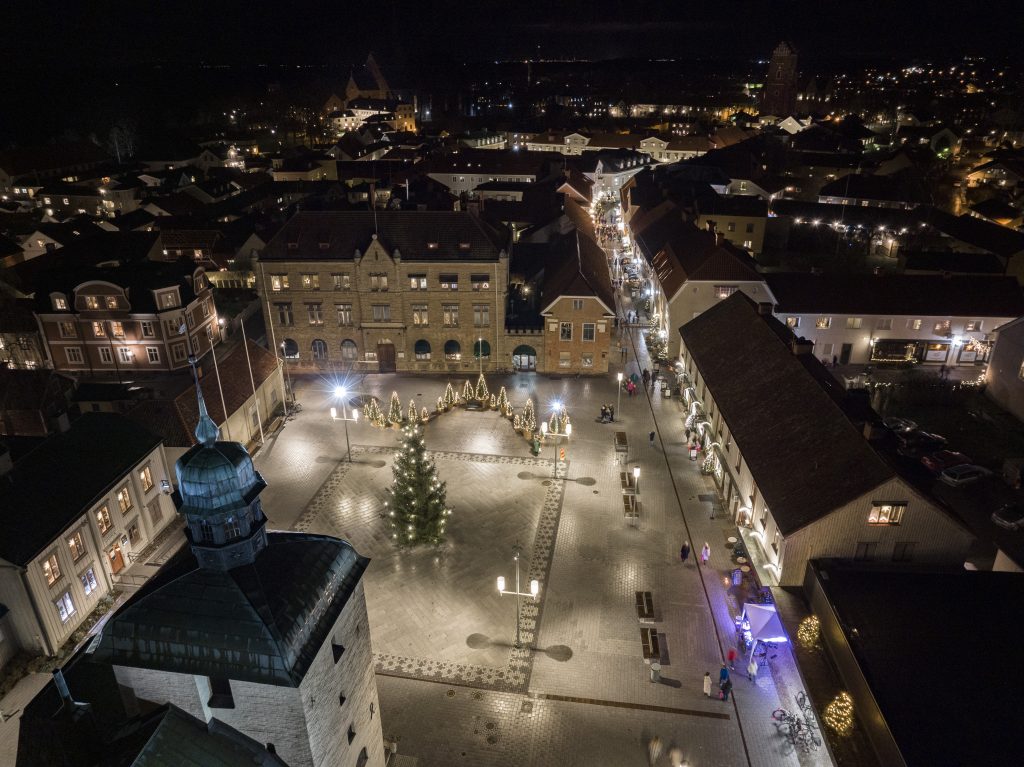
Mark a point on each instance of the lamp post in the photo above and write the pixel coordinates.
(534, 591)
(636, 480)
(480, 353)
(618, 394)
(223, 329)
(340, 392)
(288, 374)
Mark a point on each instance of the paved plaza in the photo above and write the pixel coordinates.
(453, 689)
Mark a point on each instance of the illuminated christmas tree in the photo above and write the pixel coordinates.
(395, 409)
(440, 405)
(412, 411)
(450, 397)
(529, 417)
(373, 412)
(424, 416)
(418, 510)
(481, 393)
(502, 401)
(467, 391)
(493, 403)
(554, 422)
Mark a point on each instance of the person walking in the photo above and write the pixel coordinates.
(651, 438)
(723, 675)
(707, 684)
(726, 689)
(654, 749)
(684, 552)
(752, 670)
(646, 375)
(732, 658)
(705, 554)
(675, 757)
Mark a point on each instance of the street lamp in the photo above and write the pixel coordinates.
(618, 394)
(636, 480)
(534, 591)
(223, 330)
(340, 392)
(288, 373)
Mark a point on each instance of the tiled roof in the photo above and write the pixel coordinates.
(897, 294)
(804, 454)
(337, 235)
(583, 269)
(58, 481)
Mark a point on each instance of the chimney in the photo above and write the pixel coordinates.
(69, 706)
(801, 346)
(765, 308)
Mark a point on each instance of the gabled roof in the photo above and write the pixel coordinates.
(698, 254)
(974, 231)
(582, 270)
(805, 455)
(897, 294)
(33, 510)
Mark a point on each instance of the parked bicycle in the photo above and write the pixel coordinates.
(800, 731)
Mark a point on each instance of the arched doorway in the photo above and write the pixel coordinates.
(385, 356)
(524, 358)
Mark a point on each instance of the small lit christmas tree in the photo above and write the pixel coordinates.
(481, 393)
(502, 401)
(517, 422)
(412, 412)
(553, 423)
(440, 405)
(450, 397)
(467, 391)
(563, 421)
(395, 409)
(418, 509)
(529, 417)
(373, 412)
(424, 416)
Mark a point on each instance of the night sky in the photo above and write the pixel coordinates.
(120, 31)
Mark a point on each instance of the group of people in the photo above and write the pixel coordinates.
(705, 553)
(607, 413)
(675, 754)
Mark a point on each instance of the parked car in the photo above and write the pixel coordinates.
(899, 425)
(958, 476)
(915, 444)
(1010, 516)
(944, 459)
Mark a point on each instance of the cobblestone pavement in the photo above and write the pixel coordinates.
(438, 623)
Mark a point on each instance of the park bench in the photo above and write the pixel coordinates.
(627, 482)
(644, 606)
(649, 642)
(621, 443)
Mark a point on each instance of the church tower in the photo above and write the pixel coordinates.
(780, 88)
(219, 496)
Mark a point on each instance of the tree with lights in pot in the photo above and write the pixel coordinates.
(418, 510)
(395, 409)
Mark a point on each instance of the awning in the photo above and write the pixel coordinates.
(764, 623)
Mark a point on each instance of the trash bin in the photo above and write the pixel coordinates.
(655, 672)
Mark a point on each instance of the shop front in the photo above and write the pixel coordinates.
(907, 350)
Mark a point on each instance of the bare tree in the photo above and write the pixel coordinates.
(123, 139)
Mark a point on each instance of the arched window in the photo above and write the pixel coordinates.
(349, 352)
(319, 347)
(452, 351)
(422, 350)
(291, 349)
(481, 348)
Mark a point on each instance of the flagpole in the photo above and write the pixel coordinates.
(252, 380)
(224, 407)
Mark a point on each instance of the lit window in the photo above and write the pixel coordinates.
(126, 354)
(587, 360)
(419, 314)
(278, 282)
(146, 478)
(315, 314)
(886, 513)
(378, 282)
(124, 499)
(116, 329)
(148, 329)
(103, 519)
(792, 322)
(449, 282)
(564, 359)
(724, 291)
(417, 282)
(60, 303)
(284, 314)
(111, 302)
(942, 327)
(480, 281)
(92, 302)
(450, 315)
(565, 331)
(854, 323)
(344, 313)
(973, 327)
(67, 329)
(89, 583)
(822, 323)
(311, 282)
(913, 324)
(75, 546)
(65, 607)
(98, 330)
(170, 299)
(341, 281)
(51, 570)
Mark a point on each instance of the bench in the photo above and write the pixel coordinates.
(649, 642)
(626, 480)
(474, 405)
(629, 504)
(644, 606)
(621, 443)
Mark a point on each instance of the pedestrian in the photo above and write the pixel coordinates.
(651, 438)
(646, 375)
(675, 757)
(726, 689)
(732, 658)
(622, 353)
(705, 552)
(752, 669)
(611, 413)
(684, 552)
(707, 684)
(654, 749)
(723, 675)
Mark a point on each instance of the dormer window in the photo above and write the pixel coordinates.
(92, 302)
(111, 302)
(60, 303)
